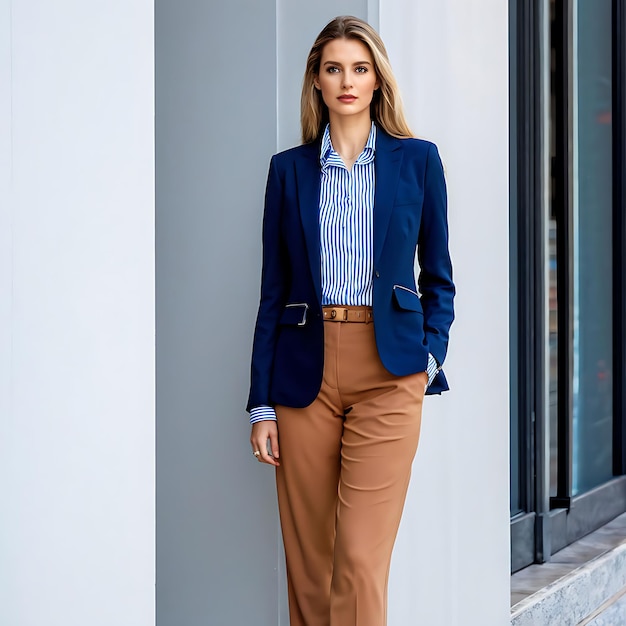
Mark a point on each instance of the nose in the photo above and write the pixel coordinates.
(346, 83)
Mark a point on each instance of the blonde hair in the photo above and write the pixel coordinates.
(386, 108)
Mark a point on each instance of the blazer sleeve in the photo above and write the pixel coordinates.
(273, 288)
(435, 279)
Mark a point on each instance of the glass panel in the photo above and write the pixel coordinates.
(592, 253)
(553, 336)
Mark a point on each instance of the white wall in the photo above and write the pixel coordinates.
(217, 520)
(451, 562)
(76, 313)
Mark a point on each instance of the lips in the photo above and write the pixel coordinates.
(347, 98)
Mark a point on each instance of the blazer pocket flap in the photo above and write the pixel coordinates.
(294, 314)
(407, 299)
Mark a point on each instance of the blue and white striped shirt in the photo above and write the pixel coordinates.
(346, 221)
(347, 224)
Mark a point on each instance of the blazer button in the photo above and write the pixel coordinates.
(377, 274)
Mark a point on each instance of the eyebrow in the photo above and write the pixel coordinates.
(337, 63)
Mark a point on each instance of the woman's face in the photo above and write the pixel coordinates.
(347, 78)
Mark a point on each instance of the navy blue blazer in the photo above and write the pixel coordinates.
(409, 211)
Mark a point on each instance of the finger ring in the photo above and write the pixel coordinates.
(257, 453)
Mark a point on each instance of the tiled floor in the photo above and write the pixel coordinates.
(535, 577)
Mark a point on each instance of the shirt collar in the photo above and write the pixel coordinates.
(328, 156)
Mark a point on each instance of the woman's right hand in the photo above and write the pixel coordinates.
(261, 433)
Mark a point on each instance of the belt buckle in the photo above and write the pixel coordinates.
(335, 310)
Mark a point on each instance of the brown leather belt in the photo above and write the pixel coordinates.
(359, 314)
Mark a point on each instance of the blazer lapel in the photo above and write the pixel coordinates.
(387, 165)
(308, 182)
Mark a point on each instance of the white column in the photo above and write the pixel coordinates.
(77, 298)
(451, 563)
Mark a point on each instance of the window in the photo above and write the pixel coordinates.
(567, 272)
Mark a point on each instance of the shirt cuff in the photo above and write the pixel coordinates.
(432, 370)
(262, 413)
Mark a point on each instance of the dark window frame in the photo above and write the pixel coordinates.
(527, 276)
(619, 242)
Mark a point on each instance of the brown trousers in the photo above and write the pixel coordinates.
(345, 468)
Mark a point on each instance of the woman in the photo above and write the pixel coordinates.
(345, 346)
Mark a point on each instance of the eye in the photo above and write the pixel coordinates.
(361, 69)
(331, 69)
